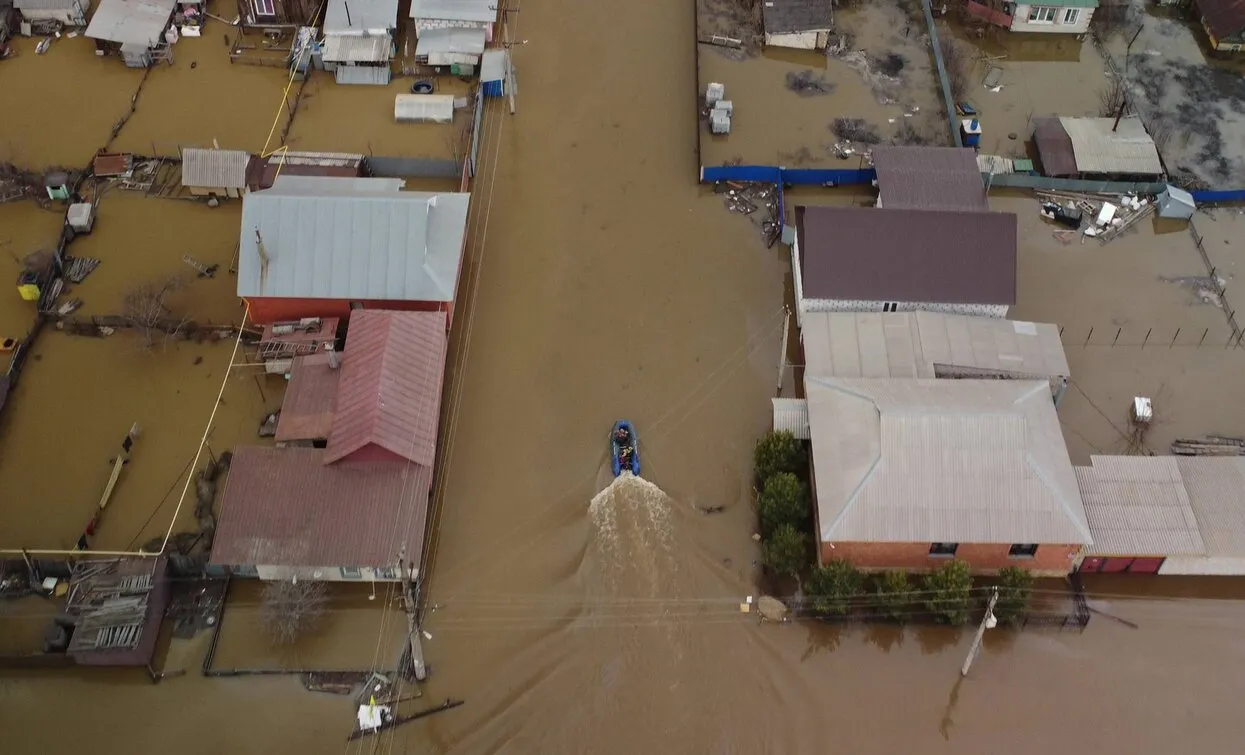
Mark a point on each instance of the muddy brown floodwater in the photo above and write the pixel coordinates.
(603, 283)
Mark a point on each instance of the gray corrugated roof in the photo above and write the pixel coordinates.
(929, 178)
(477, 11)
(791, 415)
(211, 168)
(493, 65)
(51, 5)
(362, 15)
(134, 22)
(340, 242)
(794, 16)
(1216, 488)
(1138, 506)
(1098, 148)
(960, 461)
(464, 41)
(925, 344)
(339, 48)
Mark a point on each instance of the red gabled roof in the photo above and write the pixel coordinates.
(1224, 17)
(307, 409)
(389, 393)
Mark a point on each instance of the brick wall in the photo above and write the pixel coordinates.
(1051, 560)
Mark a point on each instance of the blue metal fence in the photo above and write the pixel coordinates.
(1223, 195)
(792, 176)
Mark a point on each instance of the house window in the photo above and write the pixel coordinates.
(1070, 15)
(264, 7)
(1022, 550)
(386, 573)
(1040, 14)
(351, 572)
(890, 306)
(943, 550)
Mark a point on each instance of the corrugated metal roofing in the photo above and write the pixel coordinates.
(1225, 18)
(1138, 506)
(52, 5)
(1216, 488)
(959, 461)
(134, 22)
(1127, 150)
(284, 507)
(340, 48)
(389, 394)
(476, 11)
(310, 397)
(343, 243)
(365, 75)
(423, 108)
(212, 168)
(791, 415)
(1054, 148)
(795, 16)
(493, 65)
(881, 254)
(929, 178)
(362, 15)
(466, 41)
(928, 344)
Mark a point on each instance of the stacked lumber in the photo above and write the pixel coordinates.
(1210, 445)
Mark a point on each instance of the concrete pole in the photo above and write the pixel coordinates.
(412, 626)
(981, 633)
(782, 355)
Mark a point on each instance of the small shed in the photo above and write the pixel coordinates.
(493, 65)
(799, 24)
(455, 14)
(1174, 202)
(1224, 23)
(443, 47)
(67, 12)
(133, 28)
(215, 172)
(423, 108)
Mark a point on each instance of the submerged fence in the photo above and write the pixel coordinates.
(788, 176)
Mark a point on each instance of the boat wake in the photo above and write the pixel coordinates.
(631, 520)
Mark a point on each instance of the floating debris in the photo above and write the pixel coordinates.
(808, 83)
(856, 130)
(79, 268)
(1210, 445)
(68, 307)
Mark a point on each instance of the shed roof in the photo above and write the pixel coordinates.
(882, 254)
(50, 4)
(1216, 488)
(212, 168)
(493, 65)
(928, 345)
(307, 409)
(346, 241)
(285, 507)
(929, 178)
(361, 16)
(452, 40)
(342, 48)
(1054, 147)
(1100, 146)
(134, 22)
(794, 16)
(476, 11)
(791, 415)
(958, 461)
(1224, 17)
(389, 393)
(1138, 506)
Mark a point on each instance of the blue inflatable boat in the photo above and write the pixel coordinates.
(624, 449)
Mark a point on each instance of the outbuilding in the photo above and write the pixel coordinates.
(133, 29)
(1224, 23)
(67, 12)
(358, 40)
(798, 24)
(431, 15)
(929, 178)
(215, 172)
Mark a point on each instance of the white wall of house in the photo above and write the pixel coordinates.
(808, 40)
(797, 280)
(424, 24)
(1222, 566)
(74, 16)
(1050, 19)
(327, 574)
(867, 305)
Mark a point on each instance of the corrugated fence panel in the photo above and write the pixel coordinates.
(1225, 195)
(799, 177)
(1026, 181)
(740, 173)
(413, 167)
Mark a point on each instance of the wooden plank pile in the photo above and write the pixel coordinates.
(79, 268)
(1209, 445)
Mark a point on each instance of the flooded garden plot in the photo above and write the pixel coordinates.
(876, 84)
(25, 229)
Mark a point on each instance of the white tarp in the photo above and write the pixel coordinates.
(423, 108)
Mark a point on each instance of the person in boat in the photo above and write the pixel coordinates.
(622, 437)
(624, 457)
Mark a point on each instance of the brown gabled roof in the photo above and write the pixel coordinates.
(389, 393)
(1224, 17)
(307, 410)
(1054, 147)
(929, 178)
(879, 254)
(285, 507)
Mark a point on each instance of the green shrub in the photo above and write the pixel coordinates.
(1015, 588)
(834, 587)
(948, 591)
(778, 452)
(786, 550)
(892, 594)
(783, 500)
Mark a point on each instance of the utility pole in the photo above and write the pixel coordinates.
(987, 622)
(782, 355)
(412, 627)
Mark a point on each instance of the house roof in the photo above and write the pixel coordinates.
(50, 4)
(263, 173)
(389, 393)
(134, 22)
(1224, 17)
(881, 254)
(1054, 147)
(477, 11)
(929, 178)
(928, 345)
(1100, 146)
(959, 461)
(793, 16)
(791, 415)
(1137, 505)
(362, 15)
(452, 40)
(285, 507)
(211, 168)
(342, 48)
(1216, 487)
(344, 241)
(307, 409)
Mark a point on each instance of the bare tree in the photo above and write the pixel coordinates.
(1113, 97)
(146, 309)
(291, 608)
(956, 61)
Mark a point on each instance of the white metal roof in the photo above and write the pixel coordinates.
(1216, 487)
(958, 461)
(135, 22)
(51, 5)
(1138, 506)
(791, 415)
(493, 65)
(477, 11)
(926, 344)
(212, 168)
(416, 108)
(343, 48)
(358, 16)
(350, 240)
(466, 41)
(1101, 147)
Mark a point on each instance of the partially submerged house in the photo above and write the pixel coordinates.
(908, 473)
(358, 40)
(1224, 23)
(353, 505)
(324, 247)
(215, 172)
(800, 24)
(116, 607)
(450, 46)
(929, 178)
(455, 14)
(1044, 17)
(67, 12)
(1096, 148)
(853, 259)
(133, 29)
(276, 13)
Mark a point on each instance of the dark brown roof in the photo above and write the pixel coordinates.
(1224, 17)
(285, 507)
(929, 178)
(1054, 147)
(932, 256)
(112, 164)
(307, 410)
(790, 16)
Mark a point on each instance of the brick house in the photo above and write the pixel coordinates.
(908, 473)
